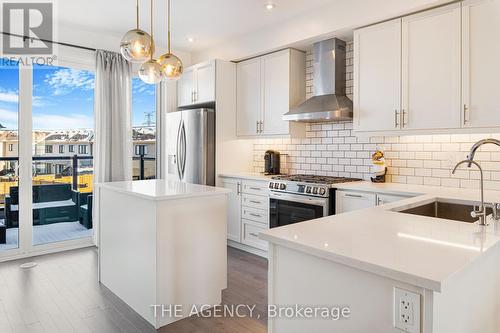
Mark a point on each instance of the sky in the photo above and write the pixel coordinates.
(63, 98)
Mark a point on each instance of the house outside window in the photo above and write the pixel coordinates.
(82, 149)
(141, 150)
(71, 148)
(11, 147)
(61, 149)
(48, 149)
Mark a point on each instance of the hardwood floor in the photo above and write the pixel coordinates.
(61, 294)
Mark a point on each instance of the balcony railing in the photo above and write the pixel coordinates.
(75, 167)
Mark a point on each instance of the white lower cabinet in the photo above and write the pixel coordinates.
(353, 200)
(383, 199)
(349, 200)
(248, 213)
(233, 208)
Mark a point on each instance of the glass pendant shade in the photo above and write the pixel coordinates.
(151, 72)
(137, 46)
(171, 66)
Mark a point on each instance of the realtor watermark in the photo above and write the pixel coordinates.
(28, 31)
(294, 311)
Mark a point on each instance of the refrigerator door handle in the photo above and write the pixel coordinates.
(183, 143)
(178, 152)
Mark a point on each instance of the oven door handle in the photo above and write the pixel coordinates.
(299, 198)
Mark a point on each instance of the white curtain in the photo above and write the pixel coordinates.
(113, 124)
(113, 118)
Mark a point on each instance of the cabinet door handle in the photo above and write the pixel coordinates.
(466, 114)
(396, 117)
(192, 96)
(261, 126)
(257, 126)
(253, 234)
(404, 118)
(353, 195)
(238, 188)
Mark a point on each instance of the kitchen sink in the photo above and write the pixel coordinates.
(445, 210)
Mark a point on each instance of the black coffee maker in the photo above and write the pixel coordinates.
(272, 162)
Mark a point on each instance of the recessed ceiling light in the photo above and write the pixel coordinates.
(190, 39)
(270, 6)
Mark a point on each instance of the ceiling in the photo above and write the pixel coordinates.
(209, 23)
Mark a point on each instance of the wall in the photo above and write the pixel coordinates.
(333, 149)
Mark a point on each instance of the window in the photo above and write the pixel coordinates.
(48, 149)
(71, 148)
(61, 149)
(82, 149)
(11, 147)
(141, 150)
(144, 129)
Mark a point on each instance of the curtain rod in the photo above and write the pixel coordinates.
(50, 41)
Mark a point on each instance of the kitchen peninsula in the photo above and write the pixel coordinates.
(368, 258)
(162, 242)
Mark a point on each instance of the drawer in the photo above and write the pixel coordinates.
(256, 215)
(255, 187)
(251, 235)
(255, 201)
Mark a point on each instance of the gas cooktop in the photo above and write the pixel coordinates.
(306, 184)
(314, 179)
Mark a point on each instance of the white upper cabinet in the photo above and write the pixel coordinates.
(431, 69)
(276, 74)
(481, 63)
(185, 87)
(436, 70)
(249, 102)
(205, 83)
(377, 77)
(197, 85)
(267, 87)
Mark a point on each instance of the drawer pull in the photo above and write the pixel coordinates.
(253, 234)
(353, 195)
(254, 215)
(255, 202)
(255, 188)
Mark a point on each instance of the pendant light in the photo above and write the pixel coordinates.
(136, 44)
(171, 64)
(151, 71)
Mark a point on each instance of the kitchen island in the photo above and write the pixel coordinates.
(162, 246)
(360, 260)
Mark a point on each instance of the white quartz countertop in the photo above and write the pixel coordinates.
(418, 250)
(160, 189)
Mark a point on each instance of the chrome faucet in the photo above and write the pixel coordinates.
(478, 144)
(470, 160)
(481, 212)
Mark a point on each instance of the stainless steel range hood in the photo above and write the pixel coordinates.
(329, 102)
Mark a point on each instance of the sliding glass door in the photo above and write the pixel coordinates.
(62, 144)
(9, 156)
(46, 156)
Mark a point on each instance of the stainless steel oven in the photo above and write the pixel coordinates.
(286, 208)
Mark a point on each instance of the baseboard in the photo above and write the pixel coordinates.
(247, 248)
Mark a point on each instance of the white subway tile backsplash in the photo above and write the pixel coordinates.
(333, 149)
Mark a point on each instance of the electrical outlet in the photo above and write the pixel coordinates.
(406, 311)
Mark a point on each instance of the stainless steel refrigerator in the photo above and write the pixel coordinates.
(191, 145)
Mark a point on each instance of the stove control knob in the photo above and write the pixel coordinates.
(308, 189)
(322, 191)
(315, 190)
(271, 185)
(282, 186)
(276, 186)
